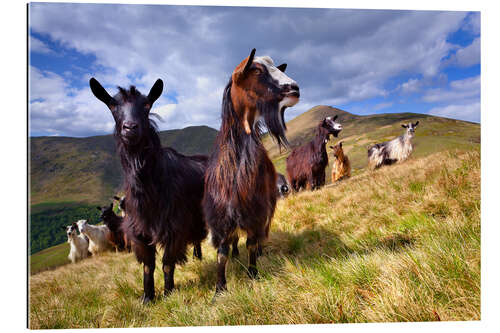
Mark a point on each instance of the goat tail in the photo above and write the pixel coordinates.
(375, 157)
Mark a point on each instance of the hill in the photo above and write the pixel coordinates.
(434, 134)
(87, 170)
(401, 243)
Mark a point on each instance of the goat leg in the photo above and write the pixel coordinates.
(252, 248)
(197, 251)
(168, 275)
(222, 254)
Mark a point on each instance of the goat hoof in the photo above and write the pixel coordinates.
(252, 272)
(216, 295)
(146, 299)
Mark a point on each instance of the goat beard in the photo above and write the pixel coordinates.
(335, 133)
(274, 121)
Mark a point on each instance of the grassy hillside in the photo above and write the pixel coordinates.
(49, 258)
(434, 134)
(87, 170)
(398, 244)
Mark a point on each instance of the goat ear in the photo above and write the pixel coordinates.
(340, 144)
(116, 198)
(155, 91)
(416, 123)
(249, 61)
(282, 67)
(102, 94)
(404, 126)
(243, 67)
(335, 118)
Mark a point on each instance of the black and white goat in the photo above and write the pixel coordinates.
(79, 243)
(396, 150)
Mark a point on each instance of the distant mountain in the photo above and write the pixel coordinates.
(433, 134)
(87, 170)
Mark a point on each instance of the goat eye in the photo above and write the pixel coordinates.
(257, 71)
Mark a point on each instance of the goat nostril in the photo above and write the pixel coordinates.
(294, 86)
(129, 126)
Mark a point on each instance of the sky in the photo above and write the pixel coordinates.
(361, 61)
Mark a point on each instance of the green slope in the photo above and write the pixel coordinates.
(49, 258)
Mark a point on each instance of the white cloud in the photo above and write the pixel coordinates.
(469, 55)
(460, 100)
(457, 90)
(38, 46)
(54, 111)
(473, 23)
(410, 86)
(468, 111)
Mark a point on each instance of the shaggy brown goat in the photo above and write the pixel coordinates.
(341, 167)
(240, 182)
(306, 164)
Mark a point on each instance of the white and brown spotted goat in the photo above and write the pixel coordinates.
(396, 150)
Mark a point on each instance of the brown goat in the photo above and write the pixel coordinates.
(240, 181)
(306, 164)
(341, 167)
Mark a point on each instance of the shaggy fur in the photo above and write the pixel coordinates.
(341, 167)
(396, 150)
(98, 236)
(306, 164)
(163, 188)
(240, 182)
(79, 244)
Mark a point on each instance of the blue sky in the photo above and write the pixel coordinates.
(361, 61)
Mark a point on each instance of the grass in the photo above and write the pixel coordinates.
(398, 244)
